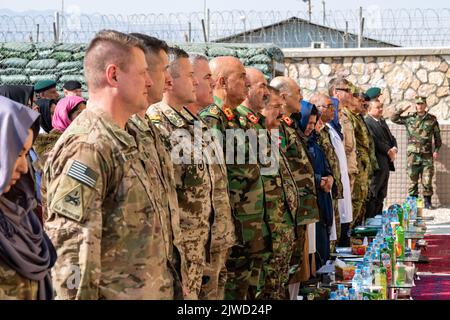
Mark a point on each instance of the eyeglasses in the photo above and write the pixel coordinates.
(343, 89)
(329, 106)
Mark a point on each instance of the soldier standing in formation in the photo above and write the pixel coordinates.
(104, 217)
(421, 128)
(244, 179)
(222, 229)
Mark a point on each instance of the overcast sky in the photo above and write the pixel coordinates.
(165, 6)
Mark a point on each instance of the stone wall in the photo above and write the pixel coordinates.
(401, 73)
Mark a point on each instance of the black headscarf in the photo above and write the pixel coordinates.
(18, 93)
(46, 113)
(24, 246)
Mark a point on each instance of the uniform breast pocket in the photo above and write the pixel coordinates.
(194, 175)
(137, 207)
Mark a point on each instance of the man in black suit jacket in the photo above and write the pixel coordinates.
(385, 151)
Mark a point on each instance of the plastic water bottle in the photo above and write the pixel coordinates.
(352, 294)
(341, 290)
(333, 295)
(367, 277)
(386, 263)
(401, 242)
(357, 281)
(413, 215)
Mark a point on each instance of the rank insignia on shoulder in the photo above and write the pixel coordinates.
(155, 117)
(228, 112)
(287, 120)
(254, 119)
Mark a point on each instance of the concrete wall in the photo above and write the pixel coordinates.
(402, 73)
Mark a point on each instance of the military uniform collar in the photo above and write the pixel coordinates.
(288, 121)
(254, 117)
(140, 122)
(120, 134)
(188, 115)
(172, 115)
(227, 111)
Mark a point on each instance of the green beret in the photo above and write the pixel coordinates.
(43, 85)
(373, 93)
(420, 100)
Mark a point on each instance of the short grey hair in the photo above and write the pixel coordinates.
(195, 56)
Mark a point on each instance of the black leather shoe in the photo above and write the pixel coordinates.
(428, 202)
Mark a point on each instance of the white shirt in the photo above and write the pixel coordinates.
(345, 204)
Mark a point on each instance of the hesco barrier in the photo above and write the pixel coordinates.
(26, 63)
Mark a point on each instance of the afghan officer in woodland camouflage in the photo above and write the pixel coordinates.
(421, 127)
(104, 216)
(183, 133)
(294, 148)
(222, 230)
(280, 202)
(244, 178)
(326, 111)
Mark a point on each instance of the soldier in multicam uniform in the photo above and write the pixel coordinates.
(104, 216)
(244, 179)
(151, 144)
(326, 111)
(294, 149)
(183, 133)
(222, 229)
(421, 127)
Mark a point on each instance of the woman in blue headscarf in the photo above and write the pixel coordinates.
(324, 180)
(26, 253)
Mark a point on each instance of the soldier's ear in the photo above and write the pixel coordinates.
(111, 75)
(222, 82)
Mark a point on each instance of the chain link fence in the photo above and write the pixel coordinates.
(400, 27)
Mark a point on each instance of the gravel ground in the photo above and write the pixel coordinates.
(441, 215)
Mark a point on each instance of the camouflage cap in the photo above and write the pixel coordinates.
(420, 100)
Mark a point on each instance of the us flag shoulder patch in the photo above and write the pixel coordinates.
(83, 174)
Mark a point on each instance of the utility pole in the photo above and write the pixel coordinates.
(324, 13)
(62, 21)
(361, 27)
(309, 10)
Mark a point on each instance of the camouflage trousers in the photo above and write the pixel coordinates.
(194, 281)
(216, 272)
(420, 165)
(241, 272)
(300, 254)
(275, 276)
(359, 195)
